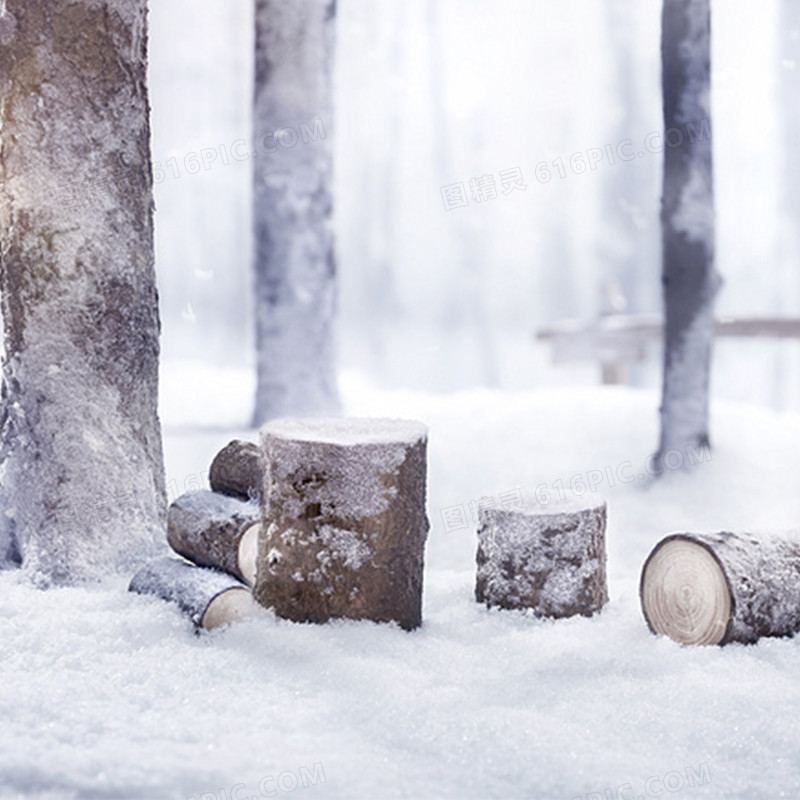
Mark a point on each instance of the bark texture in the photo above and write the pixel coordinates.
(551, 563)
(208, 597)
(294, 249)
(82, 471)
(761, 576)
(687, 219)
(344, 524)
(209, 528)
(237, 471)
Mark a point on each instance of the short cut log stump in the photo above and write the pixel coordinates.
(344, 524)
(549, 558)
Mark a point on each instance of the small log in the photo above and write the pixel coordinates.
(346, 526)
(548, 558)
(208, 597)
(721, 588)
(214, 530)
(237, 471)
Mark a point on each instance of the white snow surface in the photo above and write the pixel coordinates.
(107, 694)
(347, 431)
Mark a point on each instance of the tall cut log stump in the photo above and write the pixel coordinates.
(549, 558)
(237, 471)
(216, 531)
(208, 597)
(722, 587)
(344, 527)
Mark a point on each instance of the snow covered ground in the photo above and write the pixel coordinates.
(104, 694)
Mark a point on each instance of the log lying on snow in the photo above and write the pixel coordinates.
(548, 558)
(237, 470)
(214, 530)
(208, 597)
(344, 520)
(723, 587)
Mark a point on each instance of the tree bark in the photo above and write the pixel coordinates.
(344, 520)
(689, 279)
(721, 588)
(237, 471)
(548, 559)
(294, 249)
(208, 597)
(213, 530)
(82, 471)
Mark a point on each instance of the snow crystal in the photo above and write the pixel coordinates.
(342, 545)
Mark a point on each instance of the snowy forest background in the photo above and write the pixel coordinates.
(107, 693)
(430, 94)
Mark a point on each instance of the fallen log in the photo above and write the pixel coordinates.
(237, 471)
(347, 524)
(548, 558)
(214, 530)
(721, 588)
(210, 598)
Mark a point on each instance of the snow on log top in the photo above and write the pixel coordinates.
(567, 503)
(347, 431)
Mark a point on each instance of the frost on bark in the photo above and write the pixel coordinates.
(294, 252)
(550, 559)
(82, 483)
(687, 219)
(722, 587)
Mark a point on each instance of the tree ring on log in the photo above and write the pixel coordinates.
(248, 552)
(685, 594)
(232, 605)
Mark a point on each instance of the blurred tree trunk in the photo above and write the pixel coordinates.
(294, 253)
(82, 469)
(689, 278)
(789, 65)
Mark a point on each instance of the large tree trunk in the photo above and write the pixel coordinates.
(294, 257)
(721, 588)
(687, 219)
(344, 525)
(82, 470)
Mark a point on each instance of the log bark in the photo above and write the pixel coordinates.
(689, 277)
(550, 559)
(214, 530)
(208, 597)
(237, 471)
(721, 588)
(344, 524)
(83, 491)
(295, 266)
